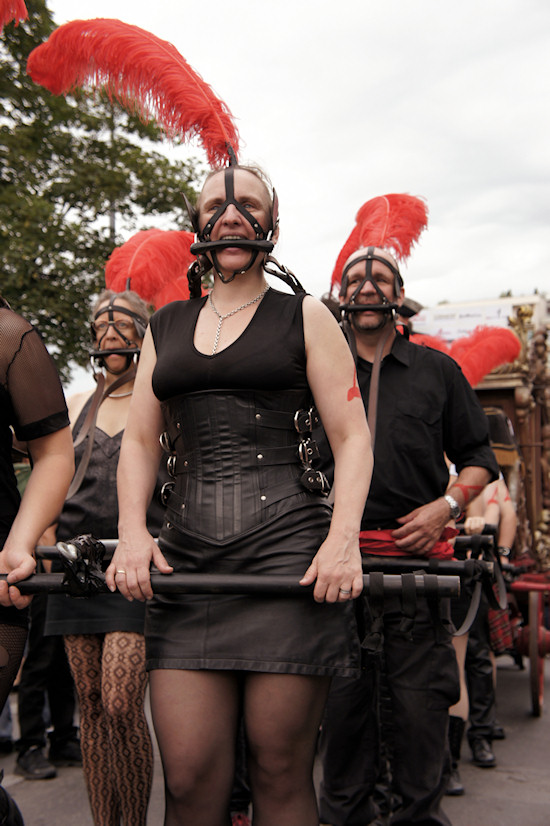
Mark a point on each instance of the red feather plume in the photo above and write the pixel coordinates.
(177, 290)
(483, 350)
(351, 245)
(12, 10)
(155, 264)
(147, 75)
(435, 342)
(393, 222)
(479, 353)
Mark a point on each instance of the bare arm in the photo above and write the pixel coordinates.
(494, 507)
(53, 468)
(140, 455)
(421, 528)
(508, 523)
(332, 378)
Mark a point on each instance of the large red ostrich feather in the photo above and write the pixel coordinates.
(392, 222)
(146, 75)
(154, 264)
(12, 10)
(480, 352)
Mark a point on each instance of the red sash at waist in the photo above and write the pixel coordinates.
(382, 543)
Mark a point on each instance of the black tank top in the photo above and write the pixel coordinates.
(268, 355)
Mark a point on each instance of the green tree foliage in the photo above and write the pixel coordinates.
(77, 176)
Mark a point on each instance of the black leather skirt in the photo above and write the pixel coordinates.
(280, 634)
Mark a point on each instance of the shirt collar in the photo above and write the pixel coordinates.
(400, 349)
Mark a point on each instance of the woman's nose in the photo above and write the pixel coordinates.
(231, 214)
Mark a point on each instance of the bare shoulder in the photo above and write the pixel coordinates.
(315, 308)
(318, 319)
(76, 402)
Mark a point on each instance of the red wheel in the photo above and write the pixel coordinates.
(536, 647)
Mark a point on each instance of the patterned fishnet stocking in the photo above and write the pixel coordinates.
(110, 678)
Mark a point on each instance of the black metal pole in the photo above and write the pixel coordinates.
(441, 586)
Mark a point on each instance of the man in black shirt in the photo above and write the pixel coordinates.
(421, 409)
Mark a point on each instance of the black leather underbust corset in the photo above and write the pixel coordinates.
(238, 460)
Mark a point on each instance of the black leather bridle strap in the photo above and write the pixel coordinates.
(89, 424)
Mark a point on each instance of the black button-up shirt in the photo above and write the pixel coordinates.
(426, 408)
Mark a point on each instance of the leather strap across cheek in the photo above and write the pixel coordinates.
(204, 234)
(368, 258)
(131, 350)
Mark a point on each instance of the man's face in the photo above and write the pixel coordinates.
(385, 281)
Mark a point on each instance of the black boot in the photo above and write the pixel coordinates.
(456, 733)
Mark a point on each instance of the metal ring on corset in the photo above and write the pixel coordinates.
(166, 442)
(165, 492)
(308, 450)
(303, 421)
(171, 465)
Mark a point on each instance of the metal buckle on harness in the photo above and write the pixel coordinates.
(166, 442)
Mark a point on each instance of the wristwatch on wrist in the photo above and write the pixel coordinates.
(503, 550)
(456, 510)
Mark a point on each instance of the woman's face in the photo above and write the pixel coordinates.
(252, 194)
(110, 334)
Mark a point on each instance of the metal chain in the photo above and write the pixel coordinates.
(236, 310)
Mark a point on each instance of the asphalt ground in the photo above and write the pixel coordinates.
(514, 793)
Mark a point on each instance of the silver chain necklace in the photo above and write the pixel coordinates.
(221, 318)
(120, 395)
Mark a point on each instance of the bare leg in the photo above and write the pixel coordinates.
(461, 709)
(123, 685)
(283, 713)
(195, 714)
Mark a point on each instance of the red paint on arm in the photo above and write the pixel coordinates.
(354, 392)
(469, 492)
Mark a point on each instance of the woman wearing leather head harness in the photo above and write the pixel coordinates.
(104, 635)
(231, 378)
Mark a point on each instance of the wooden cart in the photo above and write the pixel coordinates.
(516, 399)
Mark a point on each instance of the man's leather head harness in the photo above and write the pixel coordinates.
(262, 243)
(368, 257)
(131, 350)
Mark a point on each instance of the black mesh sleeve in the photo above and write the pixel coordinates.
(29, 376)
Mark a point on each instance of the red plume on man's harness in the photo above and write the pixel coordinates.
(480, 352)
(154, 264)
(146, 75)
(392, 222)
(12, 10)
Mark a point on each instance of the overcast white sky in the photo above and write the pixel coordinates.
(341, 101)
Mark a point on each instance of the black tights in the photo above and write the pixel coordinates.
(110, 679)
(196, 716)
(12, 647)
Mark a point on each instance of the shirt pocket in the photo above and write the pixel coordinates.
(418, 424)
